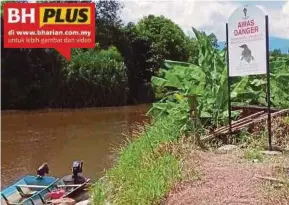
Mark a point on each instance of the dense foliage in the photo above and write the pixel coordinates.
(41, 78)
(252, 89)
(96, 73)
(202, 87)
(119, 70)
(168, 41)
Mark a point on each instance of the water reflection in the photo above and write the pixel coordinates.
(59, 137)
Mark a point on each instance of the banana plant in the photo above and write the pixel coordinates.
(203, 87)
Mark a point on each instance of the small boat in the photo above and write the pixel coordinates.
(27, 186)
(71, 186)
(57, 191)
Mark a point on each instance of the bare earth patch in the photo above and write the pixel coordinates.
(225, 179)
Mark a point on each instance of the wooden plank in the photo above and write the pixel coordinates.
(256, 120)
(249, 117)
(226, 128)
(245, 124)
(234, 123)
(261, 118)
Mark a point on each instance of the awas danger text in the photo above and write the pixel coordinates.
(246, 27)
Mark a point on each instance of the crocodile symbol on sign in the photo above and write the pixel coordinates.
(246, 54)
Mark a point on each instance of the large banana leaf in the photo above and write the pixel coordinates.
(206, 83)
(157, 81)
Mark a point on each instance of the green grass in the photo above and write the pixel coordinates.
(253, 154)
(142, 175)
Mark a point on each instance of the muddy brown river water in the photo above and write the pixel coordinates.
(58, 137)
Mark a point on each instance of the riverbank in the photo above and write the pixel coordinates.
(147, 168)
(162, 166)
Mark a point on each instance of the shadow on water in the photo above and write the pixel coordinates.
(60, 136)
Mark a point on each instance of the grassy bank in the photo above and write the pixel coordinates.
(194, 100)
(144, 173)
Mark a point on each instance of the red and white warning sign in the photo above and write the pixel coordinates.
(247, 41)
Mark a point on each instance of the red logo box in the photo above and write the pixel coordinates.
(49, 25)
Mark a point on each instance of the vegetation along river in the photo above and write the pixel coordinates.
(58, 137)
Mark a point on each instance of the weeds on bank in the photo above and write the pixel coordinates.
(253, 145)
(275, 192)
(146, 170)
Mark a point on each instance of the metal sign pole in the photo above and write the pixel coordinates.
(268, 84)
(229, 81)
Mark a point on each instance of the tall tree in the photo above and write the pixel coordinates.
(108, 22)
(168, 41)
(136, 51)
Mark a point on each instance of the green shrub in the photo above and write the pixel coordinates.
(98, 77)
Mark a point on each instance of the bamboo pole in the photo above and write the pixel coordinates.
(263, 117)
(234, 123)
(257, 120)
(271, 179)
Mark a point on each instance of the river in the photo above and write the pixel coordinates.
(58, 137)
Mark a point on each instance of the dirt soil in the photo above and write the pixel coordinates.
(225, 179)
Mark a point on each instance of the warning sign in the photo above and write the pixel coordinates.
(247, 41)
